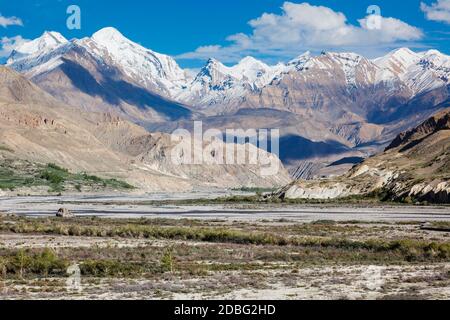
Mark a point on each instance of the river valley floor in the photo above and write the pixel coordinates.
(143, 247)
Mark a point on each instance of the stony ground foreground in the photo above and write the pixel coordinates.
(160, 258)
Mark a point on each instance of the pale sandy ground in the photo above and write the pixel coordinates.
(24, 241)
(126, 207)
(327, 283)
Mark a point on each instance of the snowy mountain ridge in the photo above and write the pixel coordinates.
(218, 84)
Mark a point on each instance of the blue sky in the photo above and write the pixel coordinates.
(192, 30)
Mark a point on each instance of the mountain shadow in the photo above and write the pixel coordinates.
(347, 160)
(294, 148)
(116, 91)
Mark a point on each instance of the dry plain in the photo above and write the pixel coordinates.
(178, 247)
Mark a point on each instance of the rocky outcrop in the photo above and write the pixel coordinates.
(64, 213)
(337, 190)
(306, 170)
(437, 192)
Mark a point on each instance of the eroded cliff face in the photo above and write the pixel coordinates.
(415, 167)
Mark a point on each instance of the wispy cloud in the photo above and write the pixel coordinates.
(438, 11)
(7, 45)
(302, 27)
(10, 21)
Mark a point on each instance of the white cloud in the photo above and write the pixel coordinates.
(438, 11)
(303, 27)
(10, 21)
(7, 45)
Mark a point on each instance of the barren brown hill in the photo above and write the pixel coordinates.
(440, 121)
(416, 167)
(37, 128)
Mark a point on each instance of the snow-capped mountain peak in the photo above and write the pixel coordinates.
(47, 42)
(250, 69)
(38, 54)
(300, 60)
(249, 63)
(437, 57)
(148, 68)
(154, 71)
(394, 67)
(398, 61)
(433, 52)
(213, 73)
(213, 64)
(217, 83)
(404, 52)
(108, 34)
(249, 60)
(436, 66)
(420, 72)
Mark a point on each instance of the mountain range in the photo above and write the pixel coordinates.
(329, 106)
(36, 127)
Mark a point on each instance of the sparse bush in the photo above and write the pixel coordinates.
(3, 267)
(57, 168)
(167, 260)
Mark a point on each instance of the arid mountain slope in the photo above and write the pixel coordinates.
(415, 167)
(36, 127)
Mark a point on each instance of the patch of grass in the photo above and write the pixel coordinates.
(9, 180)
(25, 263)
(107, 183)
(114, 268)
(199, 248)
(412, 250)
(17, 174)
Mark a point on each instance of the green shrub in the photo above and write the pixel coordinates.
(52, 177)
(3, 267)
(42, 263)
(57, 168)
(103, 268)
(47, 263)
(167, 260)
